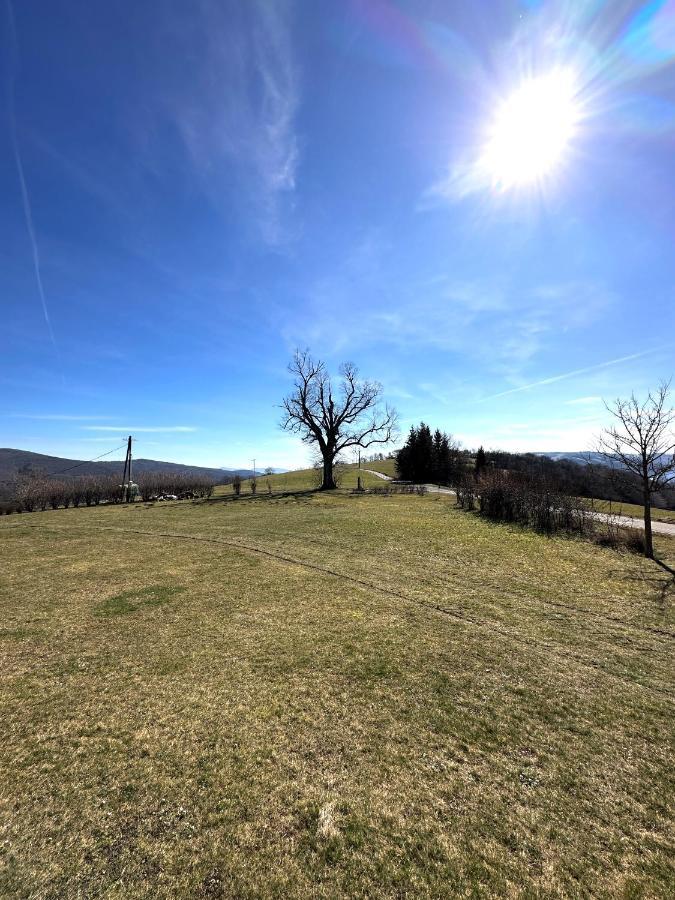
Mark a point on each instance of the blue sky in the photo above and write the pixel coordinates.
(193, 189)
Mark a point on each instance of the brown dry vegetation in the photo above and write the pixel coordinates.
(320, 696)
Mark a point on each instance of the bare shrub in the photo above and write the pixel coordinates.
(466, 492)
(184, 485)
(618, 537)
(533, 502)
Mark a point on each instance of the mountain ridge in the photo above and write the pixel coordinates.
(12, 460)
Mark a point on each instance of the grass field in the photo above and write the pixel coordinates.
(632, 509)
(330, 695)
(306, 480)
(386, 466)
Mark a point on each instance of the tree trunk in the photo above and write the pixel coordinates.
(649, 544)
(328, 483)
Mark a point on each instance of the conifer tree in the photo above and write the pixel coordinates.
(481, 463)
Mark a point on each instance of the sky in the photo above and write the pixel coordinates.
(191, 189)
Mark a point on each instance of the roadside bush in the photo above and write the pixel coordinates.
(466, 492)
(536, 502)
(612, 534)
(530, 501)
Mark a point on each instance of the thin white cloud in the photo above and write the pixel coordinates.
(148, 429)
(56, 417)
(583, 401)
(363, 302)
(27, 209)
(239, 104)
(555, 378)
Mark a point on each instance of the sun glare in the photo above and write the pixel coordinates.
(531, 130)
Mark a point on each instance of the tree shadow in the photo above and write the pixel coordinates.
(669, 569)
(664, 590)
(277, 497)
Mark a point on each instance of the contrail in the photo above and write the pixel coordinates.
(554, 378)
(22, 180)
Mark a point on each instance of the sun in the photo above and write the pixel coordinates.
(532, 130)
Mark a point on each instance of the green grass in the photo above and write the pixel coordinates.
(135, 599)
(633, 509)
(305, 480)
(386, 466)
(330, 695)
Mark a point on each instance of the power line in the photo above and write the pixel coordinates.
(86, 461)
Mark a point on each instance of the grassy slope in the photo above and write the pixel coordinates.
(454, 707)
(632, 509)
(306, 480)
(386, 466)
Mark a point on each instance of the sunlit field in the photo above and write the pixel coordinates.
(308, 479)
(319, 695)
(620, 508)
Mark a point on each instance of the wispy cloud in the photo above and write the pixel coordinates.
(137, 429)
(27, 209)
(583, 401)
(106, 440)
(572, 374)
(364, 302)
(239, 104)
(56, 417)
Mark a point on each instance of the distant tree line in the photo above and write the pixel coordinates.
(437, 458)
(34, 490)
(426, 457)
(604, 482)
(183, 486)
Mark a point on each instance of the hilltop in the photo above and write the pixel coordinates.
(11, 461)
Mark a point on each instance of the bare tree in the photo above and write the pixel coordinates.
(332, 420)
(643, 442)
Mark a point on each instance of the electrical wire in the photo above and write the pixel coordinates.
(86, 461)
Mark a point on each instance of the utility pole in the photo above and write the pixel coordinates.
(126, 478)
(254, 468)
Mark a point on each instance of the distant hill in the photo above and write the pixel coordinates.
(11, 461)
(582, 457)
(578, 456)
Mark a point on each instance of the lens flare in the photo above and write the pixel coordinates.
(532, 130)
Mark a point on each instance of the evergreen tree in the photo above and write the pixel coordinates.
(437, 457)
(425, 455)
(445, 464)
(429, 458)
(406, 456)
(480, 464)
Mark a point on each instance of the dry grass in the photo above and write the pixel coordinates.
(304, 480)
(386, 466)
(320, 696)
(633, 509)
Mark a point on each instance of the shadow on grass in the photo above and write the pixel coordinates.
(662, 589)
(301, 496)
(133, 600)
